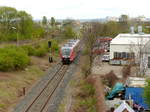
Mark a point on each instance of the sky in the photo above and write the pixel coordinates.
(80, 9)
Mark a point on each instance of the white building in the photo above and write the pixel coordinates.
(130, 46)
(109, 18)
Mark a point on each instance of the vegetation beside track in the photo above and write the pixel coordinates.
(80, 95)
(12, 84)
(23, 66)
(13, 58)
(16, 58)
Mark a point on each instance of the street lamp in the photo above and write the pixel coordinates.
(17, 34)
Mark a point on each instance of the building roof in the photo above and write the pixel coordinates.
(113, 103)
(127, 39)
(124, 106)
(135, 82)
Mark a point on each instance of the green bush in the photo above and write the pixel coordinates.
(45, 46)
(29, 49)
(54, 46)
(13, 58)
(88, 89)
(38, 50)
(89, 103)
(147, 92)
(41, 51)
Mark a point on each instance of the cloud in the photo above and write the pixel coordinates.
(80, 8)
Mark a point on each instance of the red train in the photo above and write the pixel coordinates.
(68, 52)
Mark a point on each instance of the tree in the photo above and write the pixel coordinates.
(89, 35)
(53, 22)
(147, 92)
(25, 24)
(7, 17)
(44, 21)
(53, 27)
(16, 25)
(123, 18)
(69, 32)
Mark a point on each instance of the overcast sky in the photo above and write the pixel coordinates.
(80, 9)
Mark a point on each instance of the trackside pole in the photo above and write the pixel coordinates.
(50, 52)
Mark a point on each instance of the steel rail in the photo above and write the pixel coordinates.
(61, 71)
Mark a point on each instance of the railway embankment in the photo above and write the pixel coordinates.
(16, 80)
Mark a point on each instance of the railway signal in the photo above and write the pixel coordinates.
(49, 44)
(50, 53)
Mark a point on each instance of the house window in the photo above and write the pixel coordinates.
(119, 55)
(148, 62)
(115, 55)
(123, 54)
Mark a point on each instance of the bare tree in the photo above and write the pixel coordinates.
(139, 56)
(90, 33)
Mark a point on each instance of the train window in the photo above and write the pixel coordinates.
(66, 52)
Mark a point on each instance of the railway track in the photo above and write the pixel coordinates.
(46, 94)
(41, 100)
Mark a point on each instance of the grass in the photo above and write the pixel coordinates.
(11, 86)
(86, 98)
(83, 95)
(10, 89)
(89, 102)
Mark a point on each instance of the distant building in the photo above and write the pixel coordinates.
(123, 44)
(131, 47)
(108, 18)
(141, 18)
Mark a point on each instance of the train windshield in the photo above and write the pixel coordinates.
(66, 52)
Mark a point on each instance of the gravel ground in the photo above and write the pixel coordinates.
(102, 68)
(36, 89)
(56, 97)
(59, 94)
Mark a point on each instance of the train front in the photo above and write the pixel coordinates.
(65, 55)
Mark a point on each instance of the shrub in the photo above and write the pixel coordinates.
(29, 49)
(45, 46)
(147, 92)
(87, 90)
(110, 79)
(38, 50)
(90, 90)
(126, 71)
(54, 46)
(41, 51)
(89, 103)
(13, 58)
